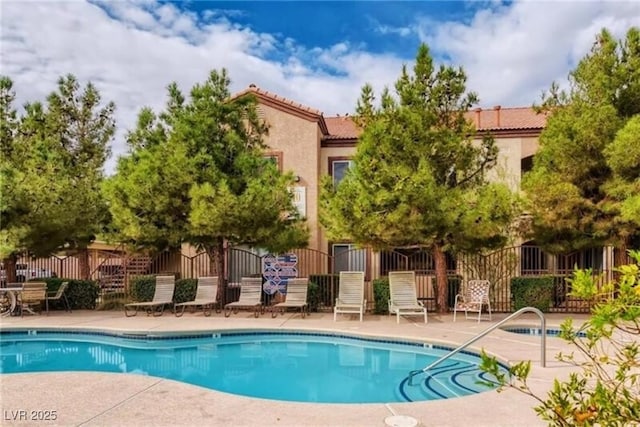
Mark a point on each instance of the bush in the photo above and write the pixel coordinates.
(143, 288)
(82, 294)
(533, 292)
(326, 283)
(381, 295)
(185, 290)
(313, 297)
(603, 390)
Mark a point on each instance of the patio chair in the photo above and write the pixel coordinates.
(33, 294)
(402, 295)
(60, 296)
(474, 296)
(296, 297)
(250, 297)
(206, 296)
(350, 294)
(162, 296)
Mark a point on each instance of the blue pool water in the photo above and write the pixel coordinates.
(308, 367)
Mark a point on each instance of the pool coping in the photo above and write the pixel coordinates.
(166, 402)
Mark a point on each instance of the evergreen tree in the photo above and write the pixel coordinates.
(418, 177)
(583, 189)
(196, 174)
(51, 165)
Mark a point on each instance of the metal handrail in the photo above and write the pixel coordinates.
(543, 341)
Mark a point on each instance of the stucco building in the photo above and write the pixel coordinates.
(302, 140)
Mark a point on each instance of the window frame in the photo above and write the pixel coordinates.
(277, 155)
(337, 159)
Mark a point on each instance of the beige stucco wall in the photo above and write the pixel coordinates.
(298, 140)
(511, 151)
(530, 146)
(325, 154)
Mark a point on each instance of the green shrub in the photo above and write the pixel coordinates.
(82, 294)
(185, 290)
(326, 283)
(381, 295)
(142, 289)
(313, 296)
(533, 292)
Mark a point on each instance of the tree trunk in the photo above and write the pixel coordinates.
(216, 254)
(10, 268)
(441, 278)
(83, 263)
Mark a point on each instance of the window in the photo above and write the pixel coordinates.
(526, 165)
(338, 167)
(347, 257)
(275, 157)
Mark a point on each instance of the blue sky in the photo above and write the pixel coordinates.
(317, 53)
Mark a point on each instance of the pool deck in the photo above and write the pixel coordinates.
(109, 399)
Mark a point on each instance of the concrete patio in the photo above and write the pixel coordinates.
(106, 399)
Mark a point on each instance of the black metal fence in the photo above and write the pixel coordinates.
(113, 270)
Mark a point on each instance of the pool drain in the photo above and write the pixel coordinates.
(401, 421)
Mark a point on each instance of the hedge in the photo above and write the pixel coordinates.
(82, 294)
(533, 292)
(143, 287)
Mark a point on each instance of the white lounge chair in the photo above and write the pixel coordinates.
(250, 297)
(296, 297)
(162, 296)
(350, 294)
(474, 296)
(206, 296)
(402, 295)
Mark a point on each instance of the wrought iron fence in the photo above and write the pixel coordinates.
(113, 270)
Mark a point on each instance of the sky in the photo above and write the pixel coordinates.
(318, 53)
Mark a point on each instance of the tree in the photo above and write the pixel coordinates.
(418, 176)
(583, 189)
(195, 173)
(52, 158)
(605, 389)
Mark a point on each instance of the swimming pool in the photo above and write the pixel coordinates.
(526, 330)
(290, 366)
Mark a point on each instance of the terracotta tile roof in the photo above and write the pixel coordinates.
(499, 118)
(278, 99)
(495, 119)
(341, 127)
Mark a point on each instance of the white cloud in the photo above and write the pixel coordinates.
(131, 59)
(132, 50)
(512, 53)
